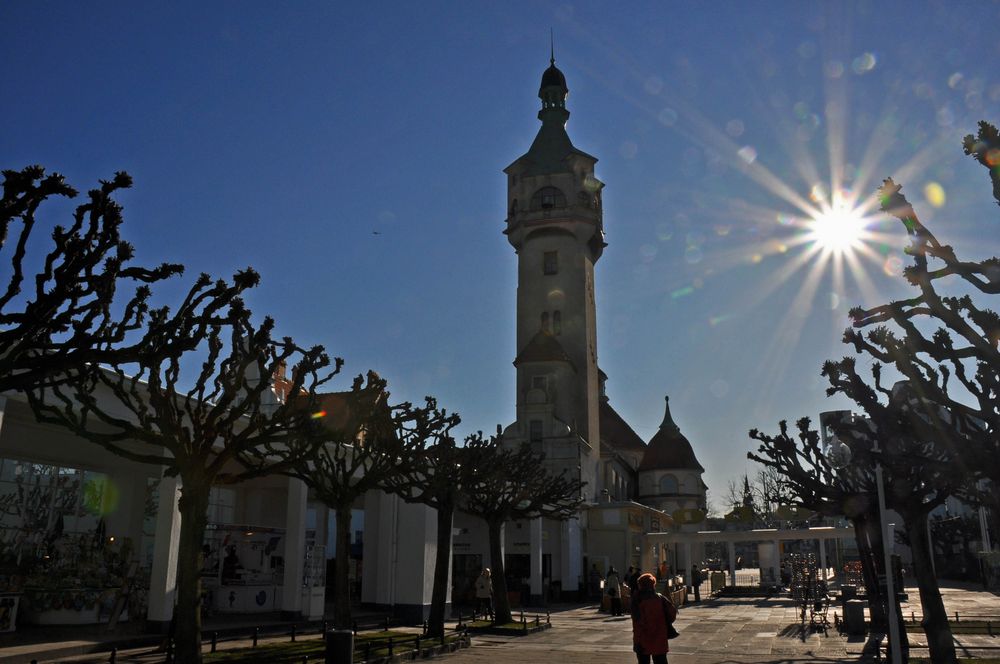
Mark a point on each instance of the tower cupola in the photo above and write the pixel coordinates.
(553, 93)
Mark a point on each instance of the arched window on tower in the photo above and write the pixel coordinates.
(545, 322)
(547, 198)
(668, 484)
(557, 322)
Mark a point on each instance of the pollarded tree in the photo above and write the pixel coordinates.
(811, 481)
(368, 442)
(502, 485)
(221, 425)
(63, 312)
(946, 346)
(434, 477)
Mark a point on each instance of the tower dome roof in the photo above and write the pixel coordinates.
(669, 449)
(552, 77)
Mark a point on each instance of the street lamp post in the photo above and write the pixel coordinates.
(840, 455)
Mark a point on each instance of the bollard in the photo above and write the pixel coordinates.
(956, 616)
(416, 643)
(442, 638)
(522, 614)
(390, 647)
(293, 633)
(114, 656)
(548, 617)
(538, 620)
(256, 633)
(340, 646)
(368, 650)
(385, 628)
(215, 640)
(913, 617)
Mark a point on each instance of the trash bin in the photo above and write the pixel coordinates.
(847, 593)
(854, 617)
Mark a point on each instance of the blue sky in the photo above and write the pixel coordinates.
(282, 136)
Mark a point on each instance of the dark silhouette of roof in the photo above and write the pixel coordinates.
(617, 433)
(669, 449)
(552, 77)
(543, 347)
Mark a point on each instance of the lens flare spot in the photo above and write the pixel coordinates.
(834, 301)
(993, 157)
(955, 80)
(934, 193)
(100, 495)
(893, 266)
(681, 292)
(693, 255)
(668, 116)
(756, 258)
(719, 388)
(747, 153)
(716, 320)
(864, 63)
(319, 414)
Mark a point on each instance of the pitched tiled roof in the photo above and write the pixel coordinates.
(543, 347)
(669, 449)
(616, 432)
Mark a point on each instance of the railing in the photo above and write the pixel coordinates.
(393, 644)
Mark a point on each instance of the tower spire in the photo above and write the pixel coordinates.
(552, 48)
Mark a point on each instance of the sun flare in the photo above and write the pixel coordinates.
(838, 229)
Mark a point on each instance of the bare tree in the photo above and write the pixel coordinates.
(434, 477)
(63, 313)
(814, 483)
(369, 442)
(503, 485)
(224, 429)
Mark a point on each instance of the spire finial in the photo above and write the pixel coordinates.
(552, 47)
(668, 421)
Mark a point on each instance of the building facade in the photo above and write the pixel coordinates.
(555, 223)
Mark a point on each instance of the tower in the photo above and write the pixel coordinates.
(554, 223)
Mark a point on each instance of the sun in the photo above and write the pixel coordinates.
(838, 229)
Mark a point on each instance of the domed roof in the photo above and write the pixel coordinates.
(669, 449)
(552, 77)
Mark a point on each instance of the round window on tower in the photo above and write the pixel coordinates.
(547, 198)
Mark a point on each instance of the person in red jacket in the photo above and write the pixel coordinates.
(651, 614)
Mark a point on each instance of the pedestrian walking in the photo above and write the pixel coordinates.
(613, 588)
(484, 593)
(652, 622)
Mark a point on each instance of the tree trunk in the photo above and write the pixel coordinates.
(935, 622)
(342, 593)
(442, 559)
(193, 506)
(867, 532)
(501, 604)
